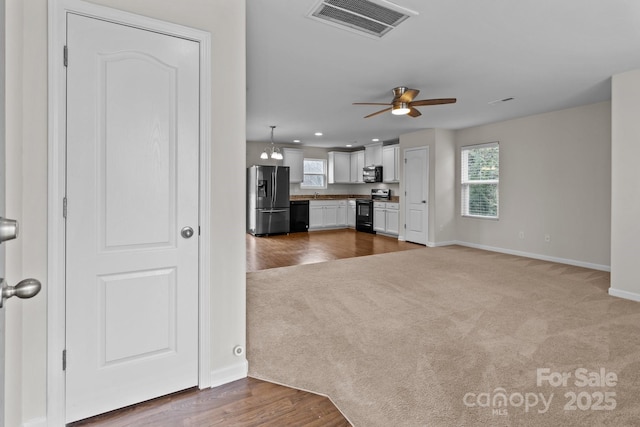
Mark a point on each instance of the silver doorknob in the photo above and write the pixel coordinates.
(8, 229)
(186, 232)
(27, 288)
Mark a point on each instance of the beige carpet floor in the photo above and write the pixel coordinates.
(449, 336)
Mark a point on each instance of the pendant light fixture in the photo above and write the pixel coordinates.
(273, 151)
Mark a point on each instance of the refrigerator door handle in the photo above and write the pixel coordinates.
(274, 185)
(272, 210)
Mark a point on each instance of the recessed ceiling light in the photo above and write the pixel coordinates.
(375, 140)
(296, 140)
(348, 145)
(318, 134)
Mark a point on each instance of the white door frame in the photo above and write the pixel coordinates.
(2, 206)
(56, 297)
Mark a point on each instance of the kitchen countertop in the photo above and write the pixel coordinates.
(395, 199)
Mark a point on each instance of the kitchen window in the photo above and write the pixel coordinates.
(480, 178)
(315, 174)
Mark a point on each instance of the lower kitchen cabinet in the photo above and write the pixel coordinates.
(327, 214)
(351, 213)
(386, 218)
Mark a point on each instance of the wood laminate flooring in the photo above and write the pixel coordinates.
(317, 246)
(252, 402)
(246, 402)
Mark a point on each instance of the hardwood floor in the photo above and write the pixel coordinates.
(246, 402)
(252, 402)
(317, 246)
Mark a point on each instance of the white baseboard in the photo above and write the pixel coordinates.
(36, 422)
(624, 294)
(229, 374)
(438, 244)
(590, 265)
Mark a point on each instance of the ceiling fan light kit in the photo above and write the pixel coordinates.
(403, 103)
(400, 108)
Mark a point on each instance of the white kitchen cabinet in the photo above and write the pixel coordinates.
(342, 213)
(357, 164)
(373, 154)
(379, 217)
(351, 213)
(339, 167)
(294, 158)
(386, 217)
(392, 219)
(330, 216)
(316, 215)
(327, 214)
(391, 163)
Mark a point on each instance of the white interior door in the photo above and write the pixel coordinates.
(132, 194)
(416, 179)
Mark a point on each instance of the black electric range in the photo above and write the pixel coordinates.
(364, 209)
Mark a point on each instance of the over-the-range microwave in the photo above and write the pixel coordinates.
(372, 174)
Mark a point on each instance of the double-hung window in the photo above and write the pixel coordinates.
(315, 174)
(480, 178)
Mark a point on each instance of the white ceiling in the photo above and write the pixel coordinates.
(303, 75)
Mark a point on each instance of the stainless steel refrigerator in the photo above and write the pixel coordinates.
(267, 200)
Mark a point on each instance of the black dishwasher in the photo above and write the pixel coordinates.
(298, 216)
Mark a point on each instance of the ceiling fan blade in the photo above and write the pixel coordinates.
(371, 103)
(408, 96)
(378, 112)
(413, 112)
(438, 101)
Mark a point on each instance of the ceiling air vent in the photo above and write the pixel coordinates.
(370, 17)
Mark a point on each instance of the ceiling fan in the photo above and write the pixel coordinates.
(403, 102)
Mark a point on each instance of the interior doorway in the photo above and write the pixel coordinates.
(416, 200)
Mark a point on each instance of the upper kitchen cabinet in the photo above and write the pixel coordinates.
(339, 167)
(373, 154)
(294, 158)
(357, 164)
(391, 163)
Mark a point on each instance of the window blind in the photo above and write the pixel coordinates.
(480, 178)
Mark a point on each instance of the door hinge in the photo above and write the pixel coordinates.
(405, 160)
(64, 359)
(198, 230)
(405, 226)
(64, 207)
(65, 56)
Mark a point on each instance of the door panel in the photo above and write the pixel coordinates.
(140, 177)
(132, 185)
(416, 186)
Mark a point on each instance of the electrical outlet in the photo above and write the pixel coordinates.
(521, 234)
(547, 238)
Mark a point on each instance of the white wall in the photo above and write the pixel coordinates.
(625, 192)
(444, 222)
(27, 153)
(555, 178)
